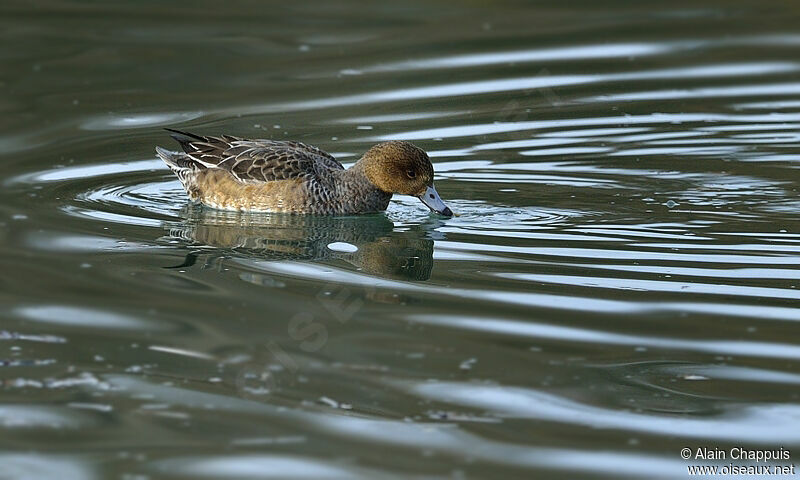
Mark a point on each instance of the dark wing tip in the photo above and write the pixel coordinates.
(185, 139)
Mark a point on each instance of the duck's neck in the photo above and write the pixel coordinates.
(358, 194)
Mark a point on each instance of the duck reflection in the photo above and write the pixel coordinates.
(369, 243)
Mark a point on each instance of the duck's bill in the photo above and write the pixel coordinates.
(432, 199)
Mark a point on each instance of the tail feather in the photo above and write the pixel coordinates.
(185, 139)
(184, 167)
(177, 160)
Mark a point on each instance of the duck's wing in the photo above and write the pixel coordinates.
(256, 160)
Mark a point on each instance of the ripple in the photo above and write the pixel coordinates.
(684, 287)
(32, 466)
(34, 417)
(759, 423)
(149, 203)
(704, 92)
(395, 434)
(581, 52)
(138, 120)
(396, 117)
(635, 255)
(85, 317)
(775, 105)
(746, 121)
(730, 372)
(543, 81)
(62, 174)
(64, 242)
(605, 338)
(255, 466)
(113, 192)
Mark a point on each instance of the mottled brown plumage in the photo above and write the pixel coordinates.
(381, 250)
(233, 173)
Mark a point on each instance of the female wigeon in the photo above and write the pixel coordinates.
(233, 173)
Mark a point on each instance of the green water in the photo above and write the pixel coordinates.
(620, 283)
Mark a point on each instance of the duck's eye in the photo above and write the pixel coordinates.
(411, 173)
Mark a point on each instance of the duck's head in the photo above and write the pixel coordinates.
(404, 168)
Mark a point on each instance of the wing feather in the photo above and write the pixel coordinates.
(257, 160)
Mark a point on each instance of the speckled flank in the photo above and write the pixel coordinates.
(230, 173)
(219, 189)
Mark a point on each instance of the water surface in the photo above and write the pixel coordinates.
(620, 283)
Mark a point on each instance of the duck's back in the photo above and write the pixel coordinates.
(257, 175)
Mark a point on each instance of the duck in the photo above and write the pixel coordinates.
(231, 173)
